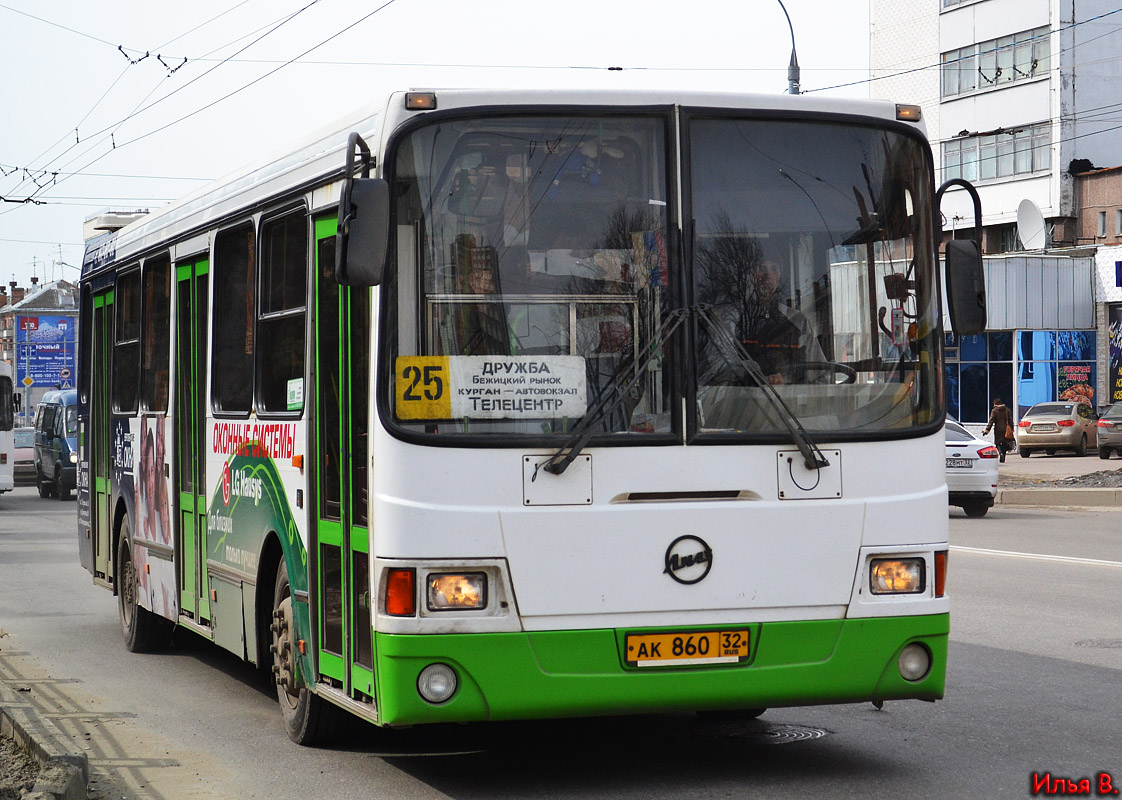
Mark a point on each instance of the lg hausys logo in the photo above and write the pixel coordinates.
(688, 559)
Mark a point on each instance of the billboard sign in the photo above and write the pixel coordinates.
(45, 347)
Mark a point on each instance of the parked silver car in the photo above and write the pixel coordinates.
(1056, 426)
(1110, 431)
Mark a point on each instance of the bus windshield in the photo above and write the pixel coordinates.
(542, 281)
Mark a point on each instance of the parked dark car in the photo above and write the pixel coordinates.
(56, 444)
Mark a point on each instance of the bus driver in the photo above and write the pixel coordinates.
(780, 338)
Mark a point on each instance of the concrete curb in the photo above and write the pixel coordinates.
(65, 773)
(1051, 496)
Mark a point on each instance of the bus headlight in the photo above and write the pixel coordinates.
(896, 576)
(457, 591)
(73, 457)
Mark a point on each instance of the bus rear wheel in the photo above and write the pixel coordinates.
(144, 631)
(309, 719)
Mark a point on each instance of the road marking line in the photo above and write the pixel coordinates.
(981, 551)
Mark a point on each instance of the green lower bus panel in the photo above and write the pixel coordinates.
(513, 676)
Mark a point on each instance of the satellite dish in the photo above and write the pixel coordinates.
(1030, 225)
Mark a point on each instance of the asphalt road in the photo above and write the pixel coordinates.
(1035, 662)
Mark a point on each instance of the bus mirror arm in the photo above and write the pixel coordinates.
(966, 281)
(363, 232)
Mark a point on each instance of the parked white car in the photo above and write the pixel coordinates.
(971, 470)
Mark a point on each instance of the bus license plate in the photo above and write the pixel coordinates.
(690, 648)
(958, 463)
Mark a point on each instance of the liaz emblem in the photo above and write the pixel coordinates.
(688, 559)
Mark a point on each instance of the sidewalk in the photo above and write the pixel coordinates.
(1048, 481)
(65, 770)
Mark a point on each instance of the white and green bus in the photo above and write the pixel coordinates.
(500, 405)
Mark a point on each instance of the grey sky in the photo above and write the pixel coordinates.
(90, 123)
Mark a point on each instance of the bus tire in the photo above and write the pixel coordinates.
(144, 631)
(309, 719)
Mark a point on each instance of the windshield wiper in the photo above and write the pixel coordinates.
(613, 395)
(734, 353)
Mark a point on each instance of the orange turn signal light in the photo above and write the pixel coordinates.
(420, 101)
(908, 113)
(941, 573)
(401, 594)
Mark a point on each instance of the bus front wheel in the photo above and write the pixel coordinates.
(309, 719)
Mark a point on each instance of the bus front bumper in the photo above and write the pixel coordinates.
(518, 676)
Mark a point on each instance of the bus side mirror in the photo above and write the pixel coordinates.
(364, 214)
(360, 251)
(966, 280)
(966, 287)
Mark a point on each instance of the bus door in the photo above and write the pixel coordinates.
(342, 459)
(101, 435)
(192, 280)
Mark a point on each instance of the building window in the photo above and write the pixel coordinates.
(1020, 151)
(1102, 224)
(1010, 239)
(1047, 366)
(959, 71)
(996, 62)
(984, 371)
(1118, 223)
(1055, 365)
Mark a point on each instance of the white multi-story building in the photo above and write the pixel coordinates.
(1017, 96)
(1022, 88)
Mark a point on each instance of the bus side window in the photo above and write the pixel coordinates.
(156, 339)
(126, 351)
(284, 280)
(232, 366)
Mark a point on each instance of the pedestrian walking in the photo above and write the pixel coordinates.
(1001, 420)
